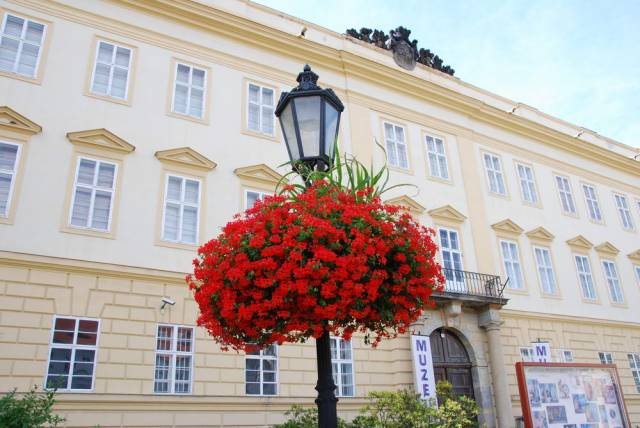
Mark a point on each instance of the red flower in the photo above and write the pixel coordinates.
(289, 268)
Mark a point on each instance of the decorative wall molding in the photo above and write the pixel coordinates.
(185, 156)
(11, 120)
(447, 212)
(607, 248)
(101, 138)
(507, 226)
(580, 242)
(261, 173)
(540, 234)
(635, 256)
(408, 203)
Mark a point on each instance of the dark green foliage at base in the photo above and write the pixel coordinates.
(33, 410)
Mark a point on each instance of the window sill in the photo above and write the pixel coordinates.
(203, 121)
(124, 102)
(437, 179)
(177, 245)
(89, 232)
(261, 135)
(35, 80)
(400, 169)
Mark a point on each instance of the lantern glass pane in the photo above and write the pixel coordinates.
(289, 131)
(331, 116)
(308, 115)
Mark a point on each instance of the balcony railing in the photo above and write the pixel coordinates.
(472, 283)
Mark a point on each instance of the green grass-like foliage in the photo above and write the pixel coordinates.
(33, 410)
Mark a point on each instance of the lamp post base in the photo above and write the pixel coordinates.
(326, 401)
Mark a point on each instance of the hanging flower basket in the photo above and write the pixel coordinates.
(322, 258)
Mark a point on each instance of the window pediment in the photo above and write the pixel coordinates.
(580, 242)
(260, 173)
(507, 226)
(408, 203)
(101, 138)
(185, 156)
(540, 234)
(635, 256)
(11, 120)
(607, 248)
(448, 212)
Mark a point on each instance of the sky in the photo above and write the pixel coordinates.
(578, 60)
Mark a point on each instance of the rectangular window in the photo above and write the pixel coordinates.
(189, 90)
(174, 360)
(342, 367)
(93, 193)
(181, 210)
(451, 258)
(527, 183)
(438, 166)
(260, 107)
(545, 270)
(494, 174)
(9, 157)
(593, 206)
(634, 363)
(611, 274)
(72, 353)
(111, 70)
(21, 45)
(526, 354)
(566, 196)
(396, 146)
(605, 357)
(624, 211)
(585, 277)
(261, 371)
(565, 356)
(511, 260)
(637, 269)
(251, 197)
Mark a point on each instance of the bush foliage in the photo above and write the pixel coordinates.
(33, 410)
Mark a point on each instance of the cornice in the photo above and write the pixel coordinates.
(338, 60)
(407, 203)
(607, 249)
(540, 234)
(101, 138)
(11, 120)
(260, 173)
(186, 156)
(580, 242)
(447, 212)
(507, 226)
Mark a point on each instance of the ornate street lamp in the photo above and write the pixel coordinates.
(310, 117)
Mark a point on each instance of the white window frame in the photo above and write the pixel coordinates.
(636, 269)
(494, 173)
(112, 66)
(182, 205)
(624, 211)
(519, 282)
(73, 346)
(457, 279)
(436, 158)
(605, 357)
(396, 143)
(261, 357)
(93, 189)
(611, 275)
(261, 105)
(338, 362)
(582, 273)
(526, 354)
(592, 202)
(21, 41)
(634, 364)
(13, 173)
(260, 194)
(564, 355)
(190, 87)
(546, 272)
(528, 188)
(567, 201)
(173, 354)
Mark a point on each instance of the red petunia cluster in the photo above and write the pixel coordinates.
(292, 266)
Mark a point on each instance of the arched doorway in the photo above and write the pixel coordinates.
(451, 361)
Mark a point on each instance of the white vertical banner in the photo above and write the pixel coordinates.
(425, 380)
(541, 352)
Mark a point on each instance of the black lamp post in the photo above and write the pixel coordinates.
(310, 117)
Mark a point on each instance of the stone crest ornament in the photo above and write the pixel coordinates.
(403, 53)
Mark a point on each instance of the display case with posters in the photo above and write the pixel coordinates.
(571, 395)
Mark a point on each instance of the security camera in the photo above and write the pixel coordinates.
(167, 301)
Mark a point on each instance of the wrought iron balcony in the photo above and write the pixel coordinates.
(460, 282)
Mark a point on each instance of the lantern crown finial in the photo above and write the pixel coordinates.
(307, 80)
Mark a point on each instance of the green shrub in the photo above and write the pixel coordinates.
(400, 409)
(33, 410)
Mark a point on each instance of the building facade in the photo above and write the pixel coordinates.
(132, 130)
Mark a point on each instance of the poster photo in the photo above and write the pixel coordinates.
(571, 395)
